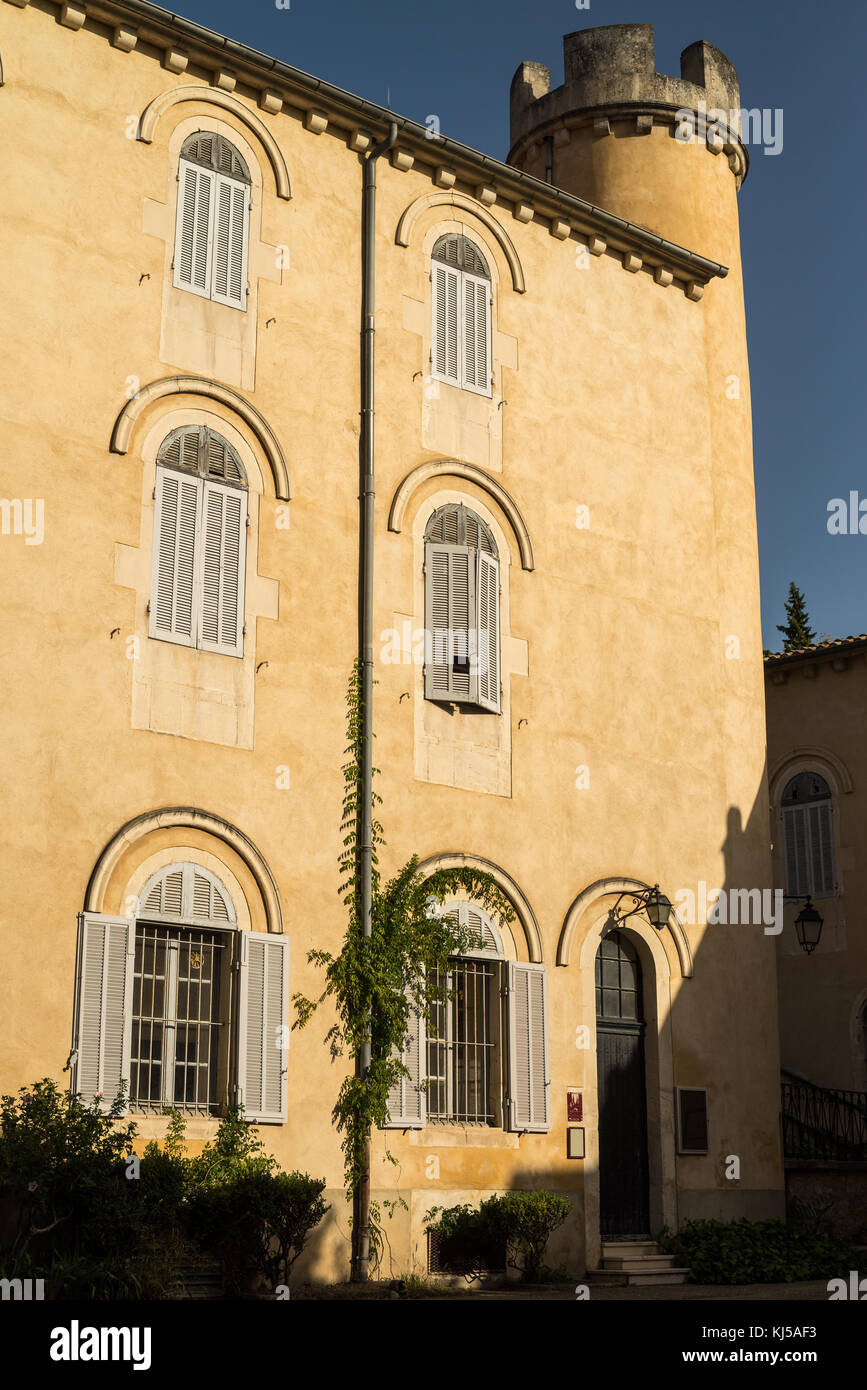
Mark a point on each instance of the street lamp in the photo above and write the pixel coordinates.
(808, 925)
(655, 905)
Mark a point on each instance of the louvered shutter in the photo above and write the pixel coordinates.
(488, 631)
(450, 584)
(446, 319)
(230, 242)
(263, 1021)
(407, 1100)
(528, 1105)
(194, 228)
(221, 577)
(795, 844)
(476, 354)
(173, 578)
(103, 1006)
(821, 852)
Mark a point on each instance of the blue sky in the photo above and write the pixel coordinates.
(802, 211)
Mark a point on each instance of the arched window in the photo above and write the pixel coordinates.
(212, 229)
(180, 1004)
(461, 322)
(483, 1057)
(808, 836)
(200, 537)
(179, 1046)
(462, 609)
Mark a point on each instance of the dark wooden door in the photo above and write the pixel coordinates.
(623, 1174)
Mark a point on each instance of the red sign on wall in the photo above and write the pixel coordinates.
(574, 1105)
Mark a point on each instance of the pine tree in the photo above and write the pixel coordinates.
(797, 631)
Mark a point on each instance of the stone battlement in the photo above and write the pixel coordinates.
(615, 66)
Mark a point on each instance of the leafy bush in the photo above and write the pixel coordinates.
(513, 1229)
(525, 1221)
(754, 1252)
(260, 1220)
(73, 1213)
(467, 1240)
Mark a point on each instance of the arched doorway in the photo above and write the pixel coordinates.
(620, 1028)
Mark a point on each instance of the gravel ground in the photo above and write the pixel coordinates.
(815, 1291)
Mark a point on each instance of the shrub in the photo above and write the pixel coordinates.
(754, 1252)
(513, 1229)
(260, 1220)
(467, 1241)
(71, 1215)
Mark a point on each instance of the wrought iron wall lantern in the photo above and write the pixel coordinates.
(808, 923)
(655, 906)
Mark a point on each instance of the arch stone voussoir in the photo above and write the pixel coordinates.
(523, 911)
(604, 887)
(185, 818)
(214, 96)
(216, 391)
(820, 759)
(409, 217)
(457, 469)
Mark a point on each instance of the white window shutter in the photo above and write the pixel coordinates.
(194, 229)
(488, 631)
(528, 1105)
(263, 1027)
(222, 560)
(445, 331)
(103, 1006)
(231, 201)
(173, 577)
(795, 844)
(450, 584)
(407, 1099)
(821, 848)
(476, 351)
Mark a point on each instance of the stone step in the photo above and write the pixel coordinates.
(640, 1264)
(616, 1248)
(621, 1278)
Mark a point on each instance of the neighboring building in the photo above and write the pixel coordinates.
(564, 476)
(817, 763)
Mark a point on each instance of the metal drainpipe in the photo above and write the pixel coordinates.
(364, 825)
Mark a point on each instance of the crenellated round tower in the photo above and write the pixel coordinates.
(612, 134)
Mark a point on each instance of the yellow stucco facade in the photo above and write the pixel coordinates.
(612, 463)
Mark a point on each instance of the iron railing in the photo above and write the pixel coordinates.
(821, 1123)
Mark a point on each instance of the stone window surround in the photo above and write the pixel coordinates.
(514, 658)
(159, 219)
(158, 661)
(454, 421)
(829, 766)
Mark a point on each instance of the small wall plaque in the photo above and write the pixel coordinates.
(574, 1105)
(574, 1142)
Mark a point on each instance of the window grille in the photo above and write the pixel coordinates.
(461, 1043)
(179, 1020)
